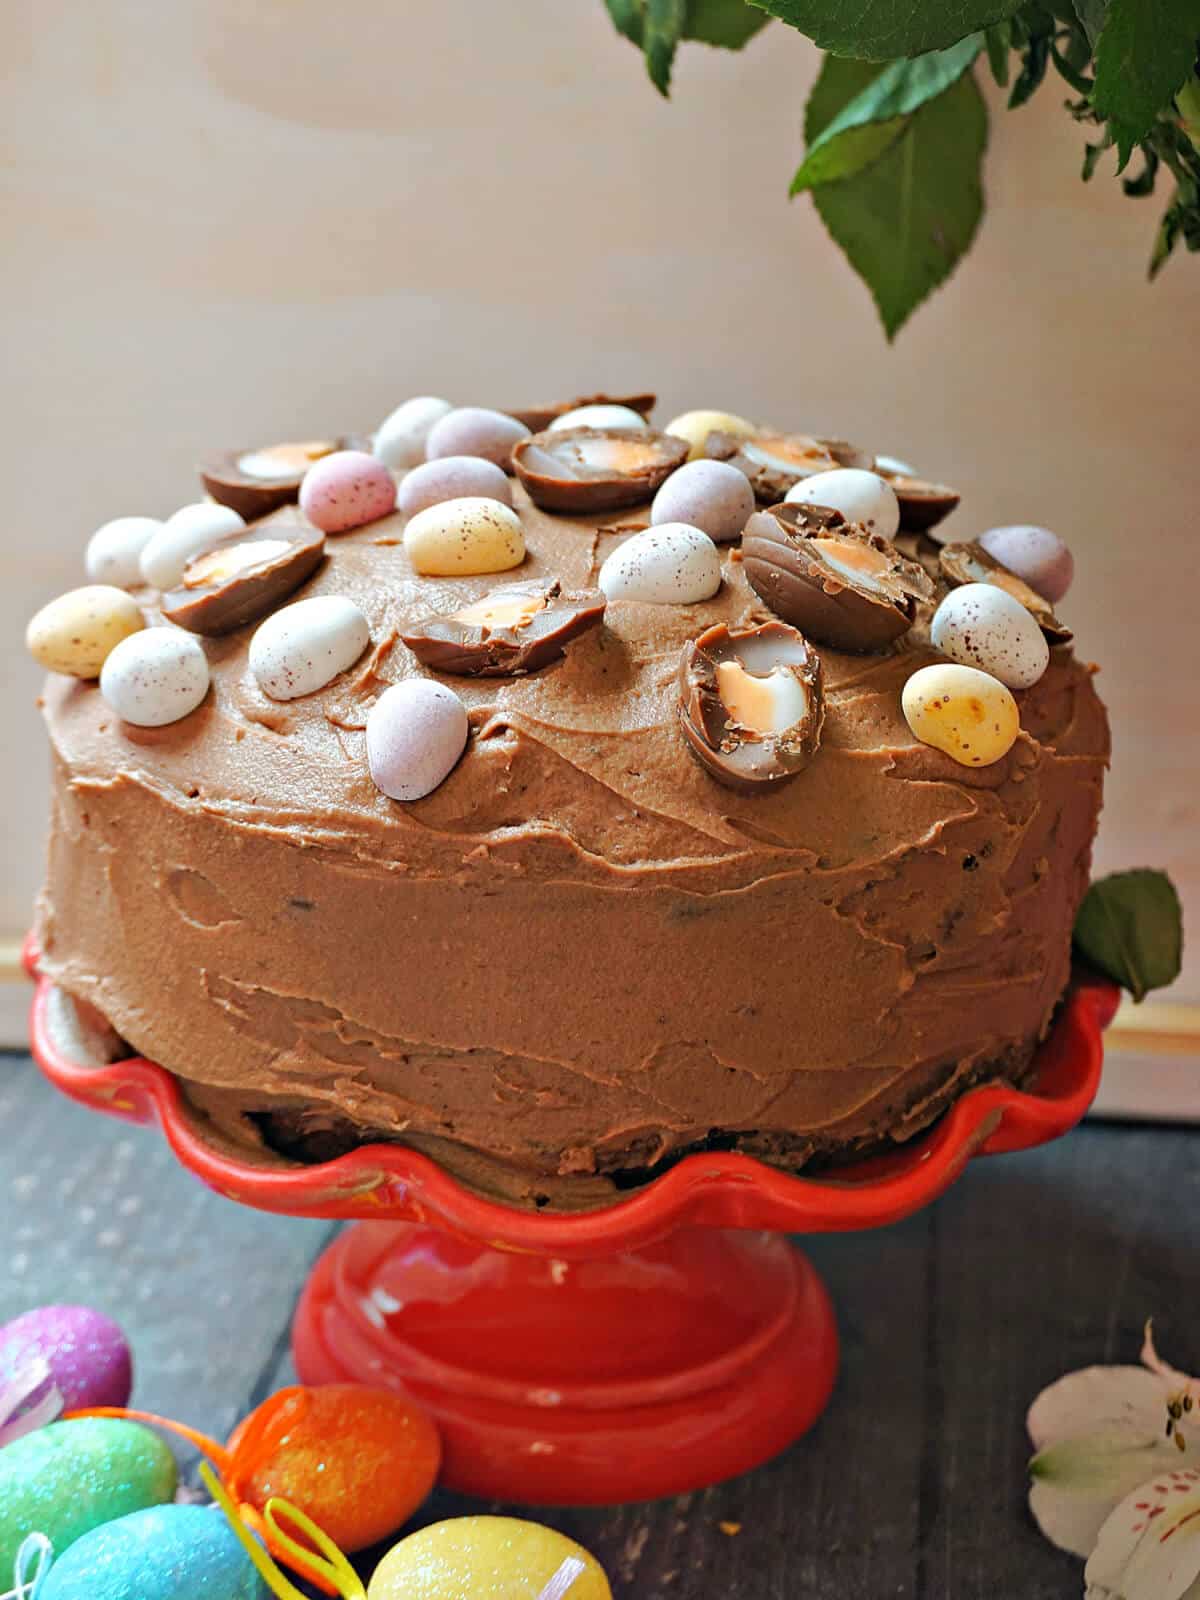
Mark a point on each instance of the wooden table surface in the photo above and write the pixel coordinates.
(912, 1485)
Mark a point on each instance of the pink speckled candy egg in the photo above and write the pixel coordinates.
(452, 478)
(86, 1352)
(346, 490)
(475, 431)
(416, 732)
(1034, 554)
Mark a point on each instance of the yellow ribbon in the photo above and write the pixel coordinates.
(331, 1564)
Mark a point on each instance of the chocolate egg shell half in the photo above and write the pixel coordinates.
(517, 628)
(243, 577)
(839, 584)
(256, 482)
(971, 563)
(538, 418)
(922, 504)
(751, 706)
(596, 469)
(773, 462)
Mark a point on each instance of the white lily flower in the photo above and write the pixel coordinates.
(1149, 1548)
(1099, 1434)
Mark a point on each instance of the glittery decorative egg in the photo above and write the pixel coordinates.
(86, 1352)
(167, 1552)
(73, 1476)
(358, 1461)
(484, 1558)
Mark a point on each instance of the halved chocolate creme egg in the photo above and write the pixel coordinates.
(837, 582)
(243, 577)
(256, 482)
(517, 628)
(774, 462)
(538, 418)
(922, 504)
(751, 705)
(971, 563)
(596, 469)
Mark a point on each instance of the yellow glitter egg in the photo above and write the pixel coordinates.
(695, 427)
(966, 713)
(484, 1558)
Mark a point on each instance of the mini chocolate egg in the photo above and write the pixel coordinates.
(400, 440)
(114, 552)
(416, 732)
(347, 490)
(75, 633)
(452, 478)
(1034, 554)
(672, 564)
(600, 416)
(465, 537)
(484, 1558)
(155, 677)
(302, 647)
(86, 1352)
(183, 535)
(475, 431)
(358, 1461)
(860, 496)
(981, 625)
(69, 1478)
(968, 714)
(166, 1552)
(893, 465)
(710, 495)
(695, 427)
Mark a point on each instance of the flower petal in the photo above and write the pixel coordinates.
(1127, 1399)
(1149, 1548)
(1171, 1376)
(1076, 1484)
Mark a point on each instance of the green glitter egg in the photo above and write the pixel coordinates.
(71, 1477)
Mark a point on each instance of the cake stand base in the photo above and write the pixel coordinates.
(565, 1382)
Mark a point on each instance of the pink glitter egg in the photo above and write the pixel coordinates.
(86, 1352)
(346, 490)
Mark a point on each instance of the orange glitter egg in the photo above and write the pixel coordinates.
(358, 1461)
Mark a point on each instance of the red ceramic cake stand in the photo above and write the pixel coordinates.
(657, 1345)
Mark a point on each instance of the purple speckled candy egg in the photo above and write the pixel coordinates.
(475, 431)
(416, 732)
(86, 1352)
(1034, 554)
(346, 490)
(452, 478)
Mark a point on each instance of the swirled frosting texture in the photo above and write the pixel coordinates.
(579, 954)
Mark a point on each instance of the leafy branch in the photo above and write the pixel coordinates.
(896, 127)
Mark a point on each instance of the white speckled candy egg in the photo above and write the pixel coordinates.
(709, 495)
(672, 564)
(475, 431)
(400, 441)
(114, 552)
(860, 496)
(346, 490)
(304, 646)
(895, 464)
(695, 427)
(452, 478)
(968, 714)
(155, 677)
(416, 732)
(460, 538)
(983, 626)
(1035, 554)
(75, 633)
(600, 416)
(186, 533)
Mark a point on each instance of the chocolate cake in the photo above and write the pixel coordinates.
(604, 939)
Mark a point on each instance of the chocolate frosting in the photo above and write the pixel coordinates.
(579, 955)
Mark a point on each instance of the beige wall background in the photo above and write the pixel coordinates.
(237, 220)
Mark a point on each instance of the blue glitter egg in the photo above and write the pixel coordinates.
(164, 1553)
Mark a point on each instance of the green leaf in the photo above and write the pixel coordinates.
(1130, 927)
(876, 117)
(905, 221)
(627, 19)
(1146, 52)
(1039, 28)
(999, 43)
(727, 23)
(1091, 14)
(662, 30)
(657, 26)
(883, 30)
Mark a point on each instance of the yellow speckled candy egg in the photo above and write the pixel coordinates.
(75, 633)
(967, 713)
(695, 427)
(461, 538)
(484, 1558)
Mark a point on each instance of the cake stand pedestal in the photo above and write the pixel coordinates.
(655, 1346)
